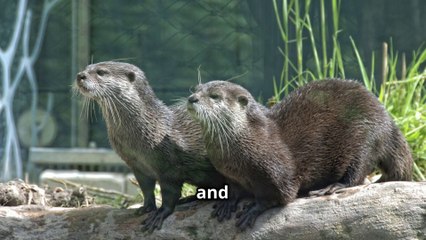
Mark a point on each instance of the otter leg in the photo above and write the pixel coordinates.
(170, 194)
(248, 216)
(147, 186)
(354, 175)
(223, 209)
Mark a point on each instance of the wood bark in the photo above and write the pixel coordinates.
(392, 210)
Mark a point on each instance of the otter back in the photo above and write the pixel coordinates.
(327, 134)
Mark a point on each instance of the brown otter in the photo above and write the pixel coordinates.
(158, 143)
(327, 134)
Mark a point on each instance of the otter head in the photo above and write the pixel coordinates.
(105, 80)
(115, 86)
(221, 108)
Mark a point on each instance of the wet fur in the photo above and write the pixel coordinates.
(157, 142)
(326, 132)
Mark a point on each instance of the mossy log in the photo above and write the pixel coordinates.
(392, 210)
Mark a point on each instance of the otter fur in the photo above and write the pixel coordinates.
(157, 142)
(325, 135)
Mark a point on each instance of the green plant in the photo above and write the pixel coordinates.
(405, 100)
(404, 97)
(324, 66)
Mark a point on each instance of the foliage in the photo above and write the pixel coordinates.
(188, 190)
(121, 202)
(405, 100)
(404, 97)
(324, 66)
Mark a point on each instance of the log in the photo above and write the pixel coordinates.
(392, 210)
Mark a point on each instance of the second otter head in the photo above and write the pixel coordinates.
(220, 107)
(104, 79)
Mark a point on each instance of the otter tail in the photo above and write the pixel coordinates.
(396, 161)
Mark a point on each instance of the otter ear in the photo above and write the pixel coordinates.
(243, 100)
(131, 76)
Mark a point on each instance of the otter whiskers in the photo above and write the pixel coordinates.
(87, 106)
(218, 129)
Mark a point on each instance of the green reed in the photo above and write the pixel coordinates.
(401, 90)
(404, 97)
(292, 16)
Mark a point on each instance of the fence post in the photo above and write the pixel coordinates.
(80, 58)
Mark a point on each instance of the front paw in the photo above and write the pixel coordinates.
(224, 209)
(155, 220)
(247, 216)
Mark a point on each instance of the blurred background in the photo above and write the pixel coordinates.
(270, 47)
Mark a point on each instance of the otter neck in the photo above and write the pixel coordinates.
(220, 140)
(143, 117)
(226, 135)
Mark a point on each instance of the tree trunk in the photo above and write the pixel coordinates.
(392, 210)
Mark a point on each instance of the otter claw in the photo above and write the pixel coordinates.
(155, 220)
(223, 210)
(149, 225)
(246, 219)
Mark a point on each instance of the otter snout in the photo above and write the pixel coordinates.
(81, 76)
(190, 104)
(84, 83)
(192, 99)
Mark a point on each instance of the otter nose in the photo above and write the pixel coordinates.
(192, 99)
(81, 76)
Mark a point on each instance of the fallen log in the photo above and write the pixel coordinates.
(392, 210)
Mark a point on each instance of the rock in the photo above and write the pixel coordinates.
(392, 210)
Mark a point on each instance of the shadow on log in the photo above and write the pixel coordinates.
(392, 210)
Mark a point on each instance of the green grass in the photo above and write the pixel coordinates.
(405, 99)
(323, 65)
(121, 202)
(187, 190)
(401, 90)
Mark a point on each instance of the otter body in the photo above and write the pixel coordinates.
(158, 143)
(325, 135)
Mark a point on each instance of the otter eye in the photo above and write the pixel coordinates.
(101, 72)
(214, 96)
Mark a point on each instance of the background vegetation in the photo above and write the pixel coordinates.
(401, 87)
(279, 44)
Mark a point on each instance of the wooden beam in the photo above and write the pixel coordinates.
(81, 52)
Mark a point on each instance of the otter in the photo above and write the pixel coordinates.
(322, 137)
(157, 142)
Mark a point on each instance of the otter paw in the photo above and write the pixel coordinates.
(224, 209)
(155, 220)
(247, 216)
(246, 219)
(246, 207)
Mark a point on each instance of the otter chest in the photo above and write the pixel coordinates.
(137, 157)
